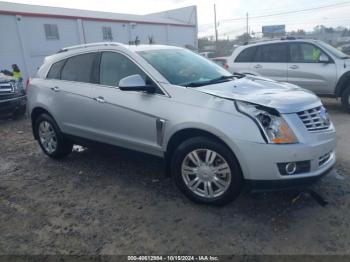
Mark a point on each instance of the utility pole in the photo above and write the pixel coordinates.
(216, 28)
(247, 33)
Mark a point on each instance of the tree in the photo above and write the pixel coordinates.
(243, 38)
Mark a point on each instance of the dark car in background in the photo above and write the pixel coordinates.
(12, 97)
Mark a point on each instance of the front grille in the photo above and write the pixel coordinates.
(315, 119)
(323, 159)
(6, 88)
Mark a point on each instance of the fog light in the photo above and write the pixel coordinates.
(294, 168)
(291, 168)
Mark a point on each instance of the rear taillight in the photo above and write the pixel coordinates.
(27, 83)
(226, 66)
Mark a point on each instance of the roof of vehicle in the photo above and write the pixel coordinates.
(95, 46)
(219, 58)
(280, 41)
(5, 78)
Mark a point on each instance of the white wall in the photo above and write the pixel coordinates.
(93, 31)
(182, 36)
(36, 44)
(10, 48)
(23, 39)
(144, 31)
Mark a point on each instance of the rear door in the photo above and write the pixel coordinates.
(72, 93)
(305, 69)
(271, 61)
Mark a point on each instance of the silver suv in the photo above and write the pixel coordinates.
(311, 64)
(216, 131)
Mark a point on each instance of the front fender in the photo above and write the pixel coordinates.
(342, 84)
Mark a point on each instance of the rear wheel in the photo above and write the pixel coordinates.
(345, 99)
(50, 138)
(206, 171)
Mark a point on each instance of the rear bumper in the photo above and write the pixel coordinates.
(11, 105)
(284, 184)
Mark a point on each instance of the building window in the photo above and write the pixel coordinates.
(51, 32)
(107, 33)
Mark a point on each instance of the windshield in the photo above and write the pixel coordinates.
(185, 68)
(333, 50)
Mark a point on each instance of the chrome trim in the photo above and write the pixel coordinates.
(7, 88)
(322, 160)
(165, 93)
(315, 119)
(69, 48)
(11, 99)
(160, 126)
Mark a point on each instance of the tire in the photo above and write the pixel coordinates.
(345, 99)
(186, 173)
(46, 129)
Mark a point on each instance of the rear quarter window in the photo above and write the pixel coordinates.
(246, 56)
(55, 70)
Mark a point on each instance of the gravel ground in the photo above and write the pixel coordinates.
(120, 202)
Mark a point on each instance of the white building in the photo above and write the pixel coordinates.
(28, 33)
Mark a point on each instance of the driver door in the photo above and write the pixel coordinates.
(124, 118)
(306, 70)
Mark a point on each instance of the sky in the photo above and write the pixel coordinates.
(235, 10)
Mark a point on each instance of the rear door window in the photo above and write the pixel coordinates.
(55, 70)
(272, 53)
(246, 56)
(80, 68)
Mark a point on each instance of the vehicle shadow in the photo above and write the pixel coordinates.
(141, 172)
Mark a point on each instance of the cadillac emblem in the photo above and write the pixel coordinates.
(324, 116)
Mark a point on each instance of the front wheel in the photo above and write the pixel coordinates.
(206, 171)
(345, 99)
(50, 138)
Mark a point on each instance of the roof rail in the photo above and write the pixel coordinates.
(65, 49)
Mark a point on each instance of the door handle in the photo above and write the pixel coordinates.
(55, 89)
(99, 99)
(294, 67)
(258, 66)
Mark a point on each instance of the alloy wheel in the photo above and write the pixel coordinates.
(47, 136)
(206, 173)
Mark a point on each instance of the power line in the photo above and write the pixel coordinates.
(289, 12)
(322, 20)
(313, 21)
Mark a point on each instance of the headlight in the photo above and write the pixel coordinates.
(270, 122)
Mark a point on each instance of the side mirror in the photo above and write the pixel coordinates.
(135, 83)
(323, 59)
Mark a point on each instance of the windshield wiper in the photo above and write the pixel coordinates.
(210, 82)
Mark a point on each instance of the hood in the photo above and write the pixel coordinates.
(285, 97)
(5, 78)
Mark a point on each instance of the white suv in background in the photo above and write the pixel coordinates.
(216, 131)
(311, 64)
